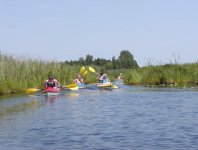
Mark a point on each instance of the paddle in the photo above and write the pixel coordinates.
(82, 69)
(32, 90)
(70, 87)
(85, 73)
(92, 70)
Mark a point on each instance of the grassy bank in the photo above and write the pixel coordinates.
(18, 74)
(169, 74)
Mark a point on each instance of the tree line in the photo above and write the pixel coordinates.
(124, 61)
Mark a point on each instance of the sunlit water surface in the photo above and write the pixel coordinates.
(127, 118)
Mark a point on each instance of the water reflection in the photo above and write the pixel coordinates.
(72, 95)
(18, 107)
(52, 98)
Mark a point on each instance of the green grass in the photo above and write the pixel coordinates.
(169, 74)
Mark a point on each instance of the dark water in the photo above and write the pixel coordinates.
(127, 118)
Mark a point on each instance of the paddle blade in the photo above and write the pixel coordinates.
(82, 69)
(31, 90)
(92, 69)
(85, 73)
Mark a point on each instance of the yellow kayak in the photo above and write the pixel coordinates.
(107, 85)
(74, 88)
(104, 85)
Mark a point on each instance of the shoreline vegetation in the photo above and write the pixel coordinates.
(18, 73)
(181, 75)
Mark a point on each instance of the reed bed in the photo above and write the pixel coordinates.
(18, 73)
(164, 75)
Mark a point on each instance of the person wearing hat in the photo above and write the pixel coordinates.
(51, 82)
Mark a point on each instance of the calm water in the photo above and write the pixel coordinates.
(89, 119)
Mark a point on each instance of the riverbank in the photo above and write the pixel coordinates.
(164, 75)
(20, 73)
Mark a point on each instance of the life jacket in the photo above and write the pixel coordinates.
(51, 84)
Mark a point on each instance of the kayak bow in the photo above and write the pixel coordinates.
(52, 91)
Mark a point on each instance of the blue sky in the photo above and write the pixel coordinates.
(154, 31)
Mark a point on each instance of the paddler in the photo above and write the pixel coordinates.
(78, 80)
(51, 82)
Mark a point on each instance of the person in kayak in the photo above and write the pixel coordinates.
(103, 78)
(51, 82)
(78, 80)
(119, 77)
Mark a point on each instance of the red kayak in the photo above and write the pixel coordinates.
(52, 91)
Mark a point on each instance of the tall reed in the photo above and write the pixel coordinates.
(169, 74)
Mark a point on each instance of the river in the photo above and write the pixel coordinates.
(131, 117)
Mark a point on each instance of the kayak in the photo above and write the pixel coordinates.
(81, 86)
(72, 88)
(75, 86)
(52, 91)
(104, 85)
(107, 85)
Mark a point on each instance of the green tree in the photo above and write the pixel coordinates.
(101, 61)
(81, 61)
(126, 60)
(114, 63)
(88, 59)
